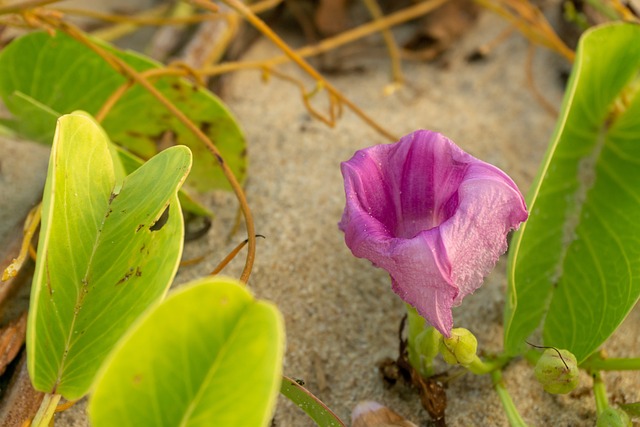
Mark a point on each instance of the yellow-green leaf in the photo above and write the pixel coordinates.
(107, 250)
(209, 355)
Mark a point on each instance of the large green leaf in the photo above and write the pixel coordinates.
(575, 264)
(209, 355)
(62, 75)
(40, 120)
(107, 250)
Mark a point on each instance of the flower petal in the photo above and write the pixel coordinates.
(420, 163)
(433, 216)
(420, 275)
(476, 236)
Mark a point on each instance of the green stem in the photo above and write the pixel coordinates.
(422, 341)
(415, 322)
(515, 420)
(480, 367)
(614, 364)
(599, 392)
(46, 410)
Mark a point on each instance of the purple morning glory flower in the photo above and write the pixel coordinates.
(433, 216)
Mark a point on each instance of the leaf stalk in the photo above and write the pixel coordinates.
(515, 420)
(614, 364)
(599, 392)
(46, 410)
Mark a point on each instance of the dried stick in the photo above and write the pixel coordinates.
(25, 5)
(532, 84)
(30, 226)
(143, 19)
(530, 21)
(392, 47)
(264, 5)
(264, 28)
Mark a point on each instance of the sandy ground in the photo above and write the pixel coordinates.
(341, 316)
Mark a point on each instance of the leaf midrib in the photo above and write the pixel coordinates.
(80, 298)
(214, 367)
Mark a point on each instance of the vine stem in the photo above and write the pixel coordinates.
(481, 367)
(246, 13)
(392, 47)
(139, 20)
(515, 420)
(24, 5)
(325, 45)
(531, 22)
(30, 226)
(46, 410)
(131, 73)
(614, 364)
(599, 392)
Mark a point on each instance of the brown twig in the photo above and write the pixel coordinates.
(66, 405)
(531, 22)
(306, 96)
(317, 49)
(624, 11)
(486, 48)
(392, 47)
(532, 84)
(135, 20)
(245, 12)
(31, 225)
(326, 45)
(25, 5)
(264, 5)
(111, 100)
(231, 256)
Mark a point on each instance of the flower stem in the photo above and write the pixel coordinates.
(482, 367)
(422, 343)
(599, 392)
(515, 420)
(46, 410)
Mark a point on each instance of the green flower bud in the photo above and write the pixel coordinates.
(613, 417)
(460, 348)
(558, 375)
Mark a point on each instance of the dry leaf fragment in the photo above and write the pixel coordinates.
(19, 401)
(442, 27)
(11, 339)
(331, 17)
(373, 414)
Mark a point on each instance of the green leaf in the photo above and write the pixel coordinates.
(632, 409)
(131, 162)
(311, 405)
(107, 250)
(41, 117)
(209, 355)
(574, 266)
(63, 75)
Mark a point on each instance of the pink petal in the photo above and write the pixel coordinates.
(430, 214)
